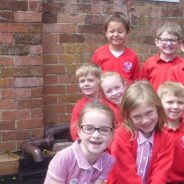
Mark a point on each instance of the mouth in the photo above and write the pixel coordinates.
(95, 142)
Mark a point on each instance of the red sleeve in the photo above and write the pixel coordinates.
(162, 159)
(137, 72)
(125, 169)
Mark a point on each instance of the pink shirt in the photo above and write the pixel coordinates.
(144, 152)
(70, 166)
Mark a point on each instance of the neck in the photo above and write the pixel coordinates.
(120, 48)
(167, 57)
(173, 124)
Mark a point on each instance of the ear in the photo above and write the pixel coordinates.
(78, 131)
(157, 42)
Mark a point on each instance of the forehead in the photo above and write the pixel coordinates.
(88, 75)
(142, 108)
(111, 80)
(116, 24)
(172, 95)
(166, 34)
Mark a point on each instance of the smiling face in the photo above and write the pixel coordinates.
(113, 89)
(116, 35)
(173, 106)
(144, 118)
(89, 85)
(167, 44)
(94, 144)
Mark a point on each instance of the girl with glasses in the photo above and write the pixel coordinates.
(85, 161)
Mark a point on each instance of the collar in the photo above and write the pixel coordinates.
(158, 59)
(141, 139)
(81, 159)
(180, 128)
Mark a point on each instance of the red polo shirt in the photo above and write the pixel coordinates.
(176, 173)
(156, 70)
(127, 64)
(176, 73)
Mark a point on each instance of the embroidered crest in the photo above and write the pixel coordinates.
(73, 181)
(127, 66)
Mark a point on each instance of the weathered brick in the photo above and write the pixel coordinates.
(74, 19)
(73, 38)
(6, 16)
(52, 69)
(15, 27)
(71, 88)
(15, 72)
(7, 125)
(32, 39)
(37, 91)
(6, 82)
(93, 29)
(50, 59)
(49, 17)
(37, 114)
(36, 49)
(51, 99)
(59, 28)
(35, 5)
(27, 60)
(6, 61)
(36, 71)
(16, 93)
(7, 104)
(66, 98)
(56, 89)
(28, 124)
(29, 16)
(13, 5)
(6, 38)
(53, 6)
(35, 27)
(51, 79)
(29, 103)
(52, 48)
(28, 81)
(15, 135)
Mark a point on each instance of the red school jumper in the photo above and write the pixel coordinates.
(127, 64)
(156, 70)
(124, 149)
(177, 73)
(79, 106)
(176, 174)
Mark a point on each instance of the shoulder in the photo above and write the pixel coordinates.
(130, 51)
(81, 102)
(102, 48)
(152, 59)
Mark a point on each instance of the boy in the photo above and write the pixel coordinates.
(115, 56)
(89, 83)
(113, 87)
(155, 68)
(172, 97)
(176, 73)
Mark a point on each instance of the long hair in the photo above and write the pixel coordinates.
(139, 93)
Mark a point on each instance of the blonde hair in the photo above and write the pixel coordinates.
(171, 87)
(136, 94)
(117, 17)
(88, 68)
(171, 28)
(97, 106)
(111, 74)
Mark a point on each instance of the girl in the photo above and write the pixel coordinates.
(85, 162)
(142, 150)
(113, 87)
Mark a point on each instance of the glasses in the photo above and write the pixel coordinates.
(88, 129)
(165, 41)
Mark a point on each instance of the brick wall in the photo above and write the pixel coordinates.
(42, 44)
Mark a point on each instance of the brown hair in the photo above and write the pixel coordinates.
(170, 27)
(136, 94)
(97, 106)
(118, 17)
(88, 68)
(171, 87)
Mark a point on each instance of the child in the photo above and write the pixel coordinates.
(116, 56)
(143, 152)
(113, 87)
(85, 161)
(155, 68)
(89, 83)
(172, 96)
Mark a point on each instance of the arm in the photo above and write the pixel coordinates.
(162, 162)
(125, 169)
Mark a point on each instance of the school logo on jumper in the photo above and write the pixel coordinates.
(127, 66)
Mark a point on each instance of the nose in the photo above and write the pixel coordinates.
(145, 120)
(96, 134)
(175, 105)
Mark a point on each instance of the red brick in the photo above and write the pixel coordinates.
(16, 27)
(59, 28)
(39, 132)
(64, 78)
(36, 71)
(28, 81)
(29, 124)
(71, 38)
(49, 38)
(7, 104)
(57, 89)
(6, 82)
(35, 5)
(29, 103)
(7, 125)
(52, 48)
(6, 38)
(54, 69)
(13, 5)
(28, 60)
(64, 118)
(57, 108)
(36, 49)
(51, 79)
(16, 93)
(72, 88)
(15, 72)
(36, 113)
(37, 92)
(51, 99)
(29, 16)
(68, 98)
(50, 59)
(6, 61)
(16, 114)
(75, 19)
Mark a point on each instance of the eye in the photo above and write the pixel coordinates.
(149, 113)
(105, 130)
